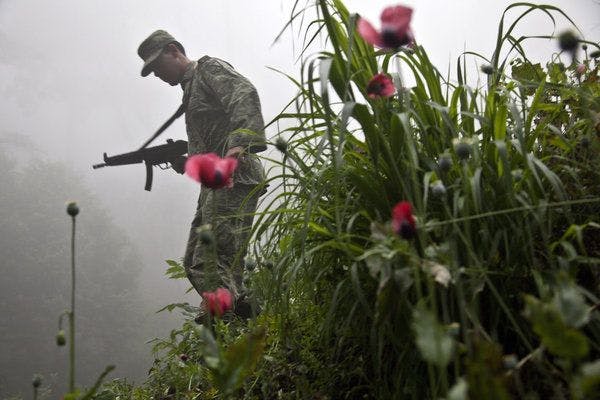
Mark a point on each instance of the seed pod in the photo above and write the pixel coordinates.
(487, 69)
(463, 150)
(72, 209)
(205, 234)
(281, 145)
(568, 41)
(438, 189)
(60, 338)
(445, 163)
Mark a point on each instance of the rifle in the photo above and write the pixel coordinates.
(160, 155)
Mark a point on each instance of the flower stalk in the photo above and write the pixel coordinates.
(72, 210)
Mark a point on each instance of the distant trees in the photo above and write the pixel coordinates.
(34, 288)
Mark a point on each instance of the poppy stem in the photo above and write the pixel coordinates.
(72, 313)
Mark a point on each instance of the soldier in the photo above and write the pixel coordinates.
(223, 116)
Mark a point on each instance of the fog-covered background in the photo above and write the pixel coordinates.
(71, 90)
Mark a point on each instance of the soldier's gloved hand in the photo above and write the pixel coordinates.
(178, 164)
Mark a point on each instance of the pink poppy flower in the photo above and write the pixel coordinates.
(395, 28)
(211, 170)
(380, 85)
(580, 70)
(218, 302)
(403, 221)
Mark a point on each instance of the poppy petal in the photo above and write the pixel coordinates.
(368, 32)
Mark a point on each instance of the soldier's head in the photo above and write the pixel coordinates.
(164, 56)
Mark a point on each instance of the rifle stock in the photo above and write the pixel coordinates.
(151, 156)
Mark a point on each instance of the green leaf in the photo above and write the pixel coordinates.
(88, 395)
(570, 304)
(239, 360)
(175, 270)
(560, 339)
(434, 343)
(459, 390)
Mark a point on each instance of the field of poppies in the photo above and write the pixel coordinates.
(423, 238)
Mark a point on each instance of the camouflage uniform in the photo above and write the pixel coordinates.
(218, 101)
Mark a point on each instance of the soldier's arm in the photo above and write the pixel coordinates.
(240, 100)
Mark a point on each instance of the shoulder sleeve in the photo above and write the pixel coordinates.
(240, 100)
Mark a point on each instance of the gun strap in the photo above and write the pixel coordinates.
(180, 111)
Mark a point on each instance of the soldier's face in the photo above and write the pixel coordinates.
(167, 68)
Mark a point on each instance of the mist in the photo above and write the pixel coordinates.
(72, 90)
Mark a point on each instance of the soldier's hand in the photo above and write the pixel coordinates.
(178, 164)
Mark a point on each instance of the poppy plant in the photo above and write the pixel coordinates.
(218, 302)
(211, 170)
(380, 85)
(395, 28)
(403, 221)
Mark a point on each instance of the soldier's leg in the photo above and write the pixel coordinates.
(193, 261)
(232, 227)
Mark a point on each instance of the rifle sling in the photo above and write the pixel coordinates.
(180, 111)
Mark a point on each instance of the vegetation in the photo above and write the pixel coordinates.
(35, 284)
(496, 294)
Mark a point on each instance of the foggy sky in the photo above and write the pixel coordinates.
(71, 84)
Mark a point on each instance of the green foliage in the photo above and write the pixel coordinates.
(434, 343)
(496, 295)
(35, 283)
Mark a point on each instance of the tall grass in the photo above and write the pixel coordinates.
(495, 297)
(504, 226)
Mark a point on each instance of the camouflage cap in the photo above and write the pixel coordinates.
(152, 46)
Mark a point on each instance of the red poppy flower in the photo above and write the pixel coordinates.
(218, 302)
(403, 221)
(395, 28)
(380, 85)
(211, 170)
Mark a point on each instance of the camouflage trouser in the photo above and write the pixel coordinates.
(230, 212)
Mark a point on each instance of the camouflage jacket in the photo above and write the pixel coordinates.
(222, 111)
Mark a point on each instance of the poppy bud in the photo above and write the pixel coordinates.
(445, 163)
(37, 381)
(585, 141)
(60, 338)
(568, 41)
(72, 209)
(584, 47)
(438, 189)
(205, 234)
(487, 69)
(463, 150)
(281, 145)
(249, 263)
(517, 174)
(453, 329)
(580, 70)
(510, 361)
